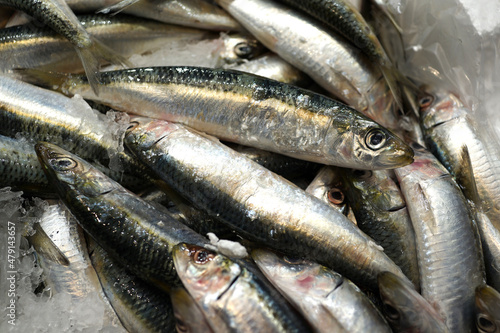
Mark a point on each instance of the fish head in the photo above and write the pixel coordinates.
(188, 316)
(404, 308)
(376, 188)
(487, 310)
(69, 172)
(239, 48)
(375, 147)
(295, 275)
(205, 274)
(142, 132)
(438, 107)
(326, 186)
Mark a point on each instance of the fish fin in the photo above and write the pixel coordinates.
(91, 57)
(465, 177)
(44, 79)
(391, 76)
(46, 247)
(117, 7)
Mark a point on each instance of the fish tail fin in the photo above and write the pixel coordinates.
(91, 57)
(117, 7)
(44, 79)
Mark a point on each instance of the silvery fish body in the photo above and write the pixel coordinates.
(62, 253)
(322, 295)
(328, 59)
(490, 241)
(128, 228)
(30, 46)
(140, 306)
(448, 126)
(448, 247)
(245, 109)
(232, 297)
(381, 212)
(255, 202)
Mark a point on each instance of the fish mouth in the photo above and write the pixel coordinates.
(399, 154)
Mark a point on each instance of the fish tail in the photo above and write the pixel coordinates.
(91, 57)
(44, 79)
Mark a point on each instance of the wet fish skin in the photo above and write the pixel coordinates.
(405, 309)
(447, 126)
(490, 241)
(188, 316)
(264, 114)
(258, 204)
(140, 306)
(331, 61)
(323, 296)
(487, 310)
(30, 46)
(129, 229)
(380, 210)
(448, 247)
(231, 296)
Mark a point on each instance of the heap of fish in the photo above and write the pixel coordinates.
(369, 231)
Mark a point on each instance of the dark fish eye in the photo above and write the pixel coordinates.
(132, 125)
(425, 101)
(336, 196)
(375, 139)
(391, 312)
(243, 50)
(202, 256)
(362, 174)
(485, 324)
(63, 163)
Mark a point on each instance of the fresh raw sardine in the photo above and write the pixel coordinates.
(245, 109)
(256, 203)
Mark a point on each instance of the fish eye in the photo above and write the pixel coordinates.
(202, 256)
(375, 139)
(391, 312)
(243, 50)
(362, 174)
(336, 196)
(485, 324)
(132, 125)
(63, 163)
(425, 101)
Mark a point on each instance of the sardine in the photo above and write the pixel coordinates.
(490, 241)
(245, 109)
(258, 204)
(448, 126)
(380, 210)
(405, 309)
(57, 15)
(330, 302)
(192, 13)
(487, 310)
(62, 254)
(448, 247)
(39, 114)
(30, 46)
(129, 229)
(332, 62)
(140, 306)
(231, 296)
(188, 316)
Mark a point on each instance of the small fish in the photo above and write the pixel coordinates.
(57, 15)
(188, 316)
(140, 306)
(258, 204)
(448, 248)
(323, 296)
(231, 296)
(245, 109)
(129, 229)
(405, 309)
(487, 310)
(380, 210)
